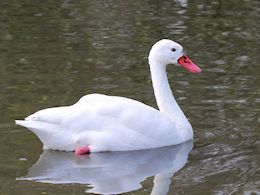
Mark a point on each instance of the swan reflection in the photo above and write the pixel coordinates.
(111, 172)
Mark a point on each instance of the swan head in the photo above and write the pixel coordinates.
(166, 52)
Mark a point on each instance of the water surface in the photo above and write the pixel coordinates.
(54, 52)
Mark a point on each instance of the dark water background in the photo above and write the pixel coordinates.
(54, 52)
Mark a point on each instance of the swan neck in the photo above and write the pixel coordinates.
(163, 94)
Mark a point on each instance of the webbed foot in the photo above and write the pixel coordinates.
(82, 150)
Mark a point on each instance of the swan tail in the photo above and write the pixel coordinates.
(23, 123)
(37, 126)
(44, 131)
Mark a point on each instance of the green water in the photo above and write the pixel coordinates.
(54, 52)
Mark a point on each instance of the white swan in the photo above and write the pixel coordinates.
(99, 123)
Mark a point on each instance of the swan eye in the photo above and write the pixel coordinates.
(173, 49)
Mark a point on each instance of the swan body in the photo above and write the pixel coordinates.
(112, 123)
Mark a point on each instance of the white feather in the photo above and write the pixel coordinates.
(111, 123)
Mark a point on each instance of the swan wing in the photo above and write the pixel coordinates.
(115, 123)
(94, 111)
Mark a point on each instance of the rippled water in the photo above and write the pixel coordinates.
(53, 52)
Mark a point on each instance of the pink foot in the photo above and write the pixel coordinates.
(82, 150)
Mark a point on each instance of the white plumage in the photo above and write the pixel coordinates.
(111, 123)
